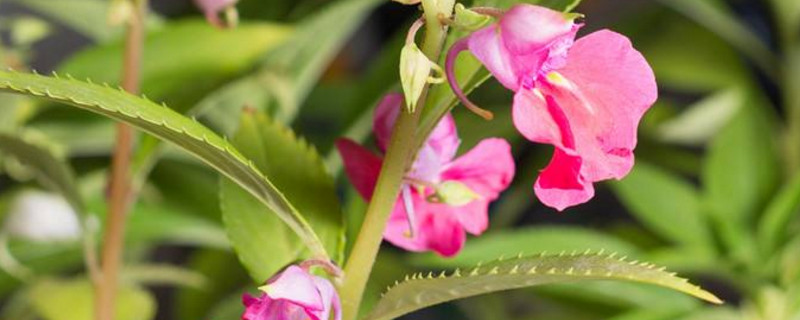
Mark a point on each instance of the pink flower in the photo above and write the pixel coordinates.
(212, 9)
(293, 294)
(442, 196)
(584, 97)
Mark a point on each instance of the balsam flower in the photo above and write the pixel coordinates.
(442, 197)
(293, 294)
(584, 97)
(213, 8)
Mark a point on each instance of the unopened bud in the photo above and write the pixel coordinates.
(119, 12)
(415, 73)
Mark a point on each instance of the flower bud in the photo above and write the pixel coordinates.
(415, 70)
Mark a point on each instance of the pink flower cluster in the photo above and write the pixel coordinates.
(420, 221)
(584, 97)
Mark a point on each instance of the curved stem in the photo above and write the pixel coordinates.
(449, 66)
(120, 184)
(399, 156)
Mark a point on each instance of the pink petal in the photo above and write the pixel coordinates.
(361, 165)
(487, 169)
(330, 300)
(212, 8)
(528, 28)
(444, 138)
(473, 217)
(297, 286)
(437, 230)
(561, 184)
(611, 86)
(488, 47)
(532, 118)
(255, 308)
(384, 118)
(443, 233)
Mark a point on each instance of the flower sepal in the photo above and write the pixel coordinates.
(453, 193)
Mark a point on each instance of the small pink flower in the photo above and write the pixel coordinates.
(442, 196)
(584, 97)
(212, 9)
(293, 294)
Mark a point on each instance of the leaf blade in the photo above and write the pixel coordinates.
(519, 273)
(166, 124)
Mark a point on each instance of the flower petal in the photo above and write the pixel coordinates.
(330, 300)
(437, 230)
(361, 165)
(533, 118)
(608, 88)
(528, 28)
(487, 169)
(294, 285)
(561, 184)
(488, 47)
(444, 138)
(212, 8)
(384, 118)
(255, 308)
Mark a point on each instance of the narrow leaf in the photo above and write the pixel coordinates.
(420, 291)
(741, 171)
(666, 204)
(52, 170)
(538, 239)
(781, 209)
(168, 125)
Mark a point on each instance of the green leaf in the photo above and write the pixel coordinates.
(703, 119)
(52, 170)
(74, 300)
(741, 171)
(288, 73)
(419, 291)
(712, 64)
(168, 125)
(666, 204)
(181, 53)
(262, 242)
(717, 20)
(772, 228)
(88, 17)
(163, 274)
(538, 239)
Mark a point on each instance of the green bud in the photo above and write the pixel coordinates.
(415, 70)
(470, 20)
(453, 193)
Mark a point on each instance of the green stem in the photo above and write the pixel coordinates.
(399, 156)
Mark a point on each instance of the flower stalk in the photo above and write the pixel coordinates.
(119, 183)
(399, 156)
